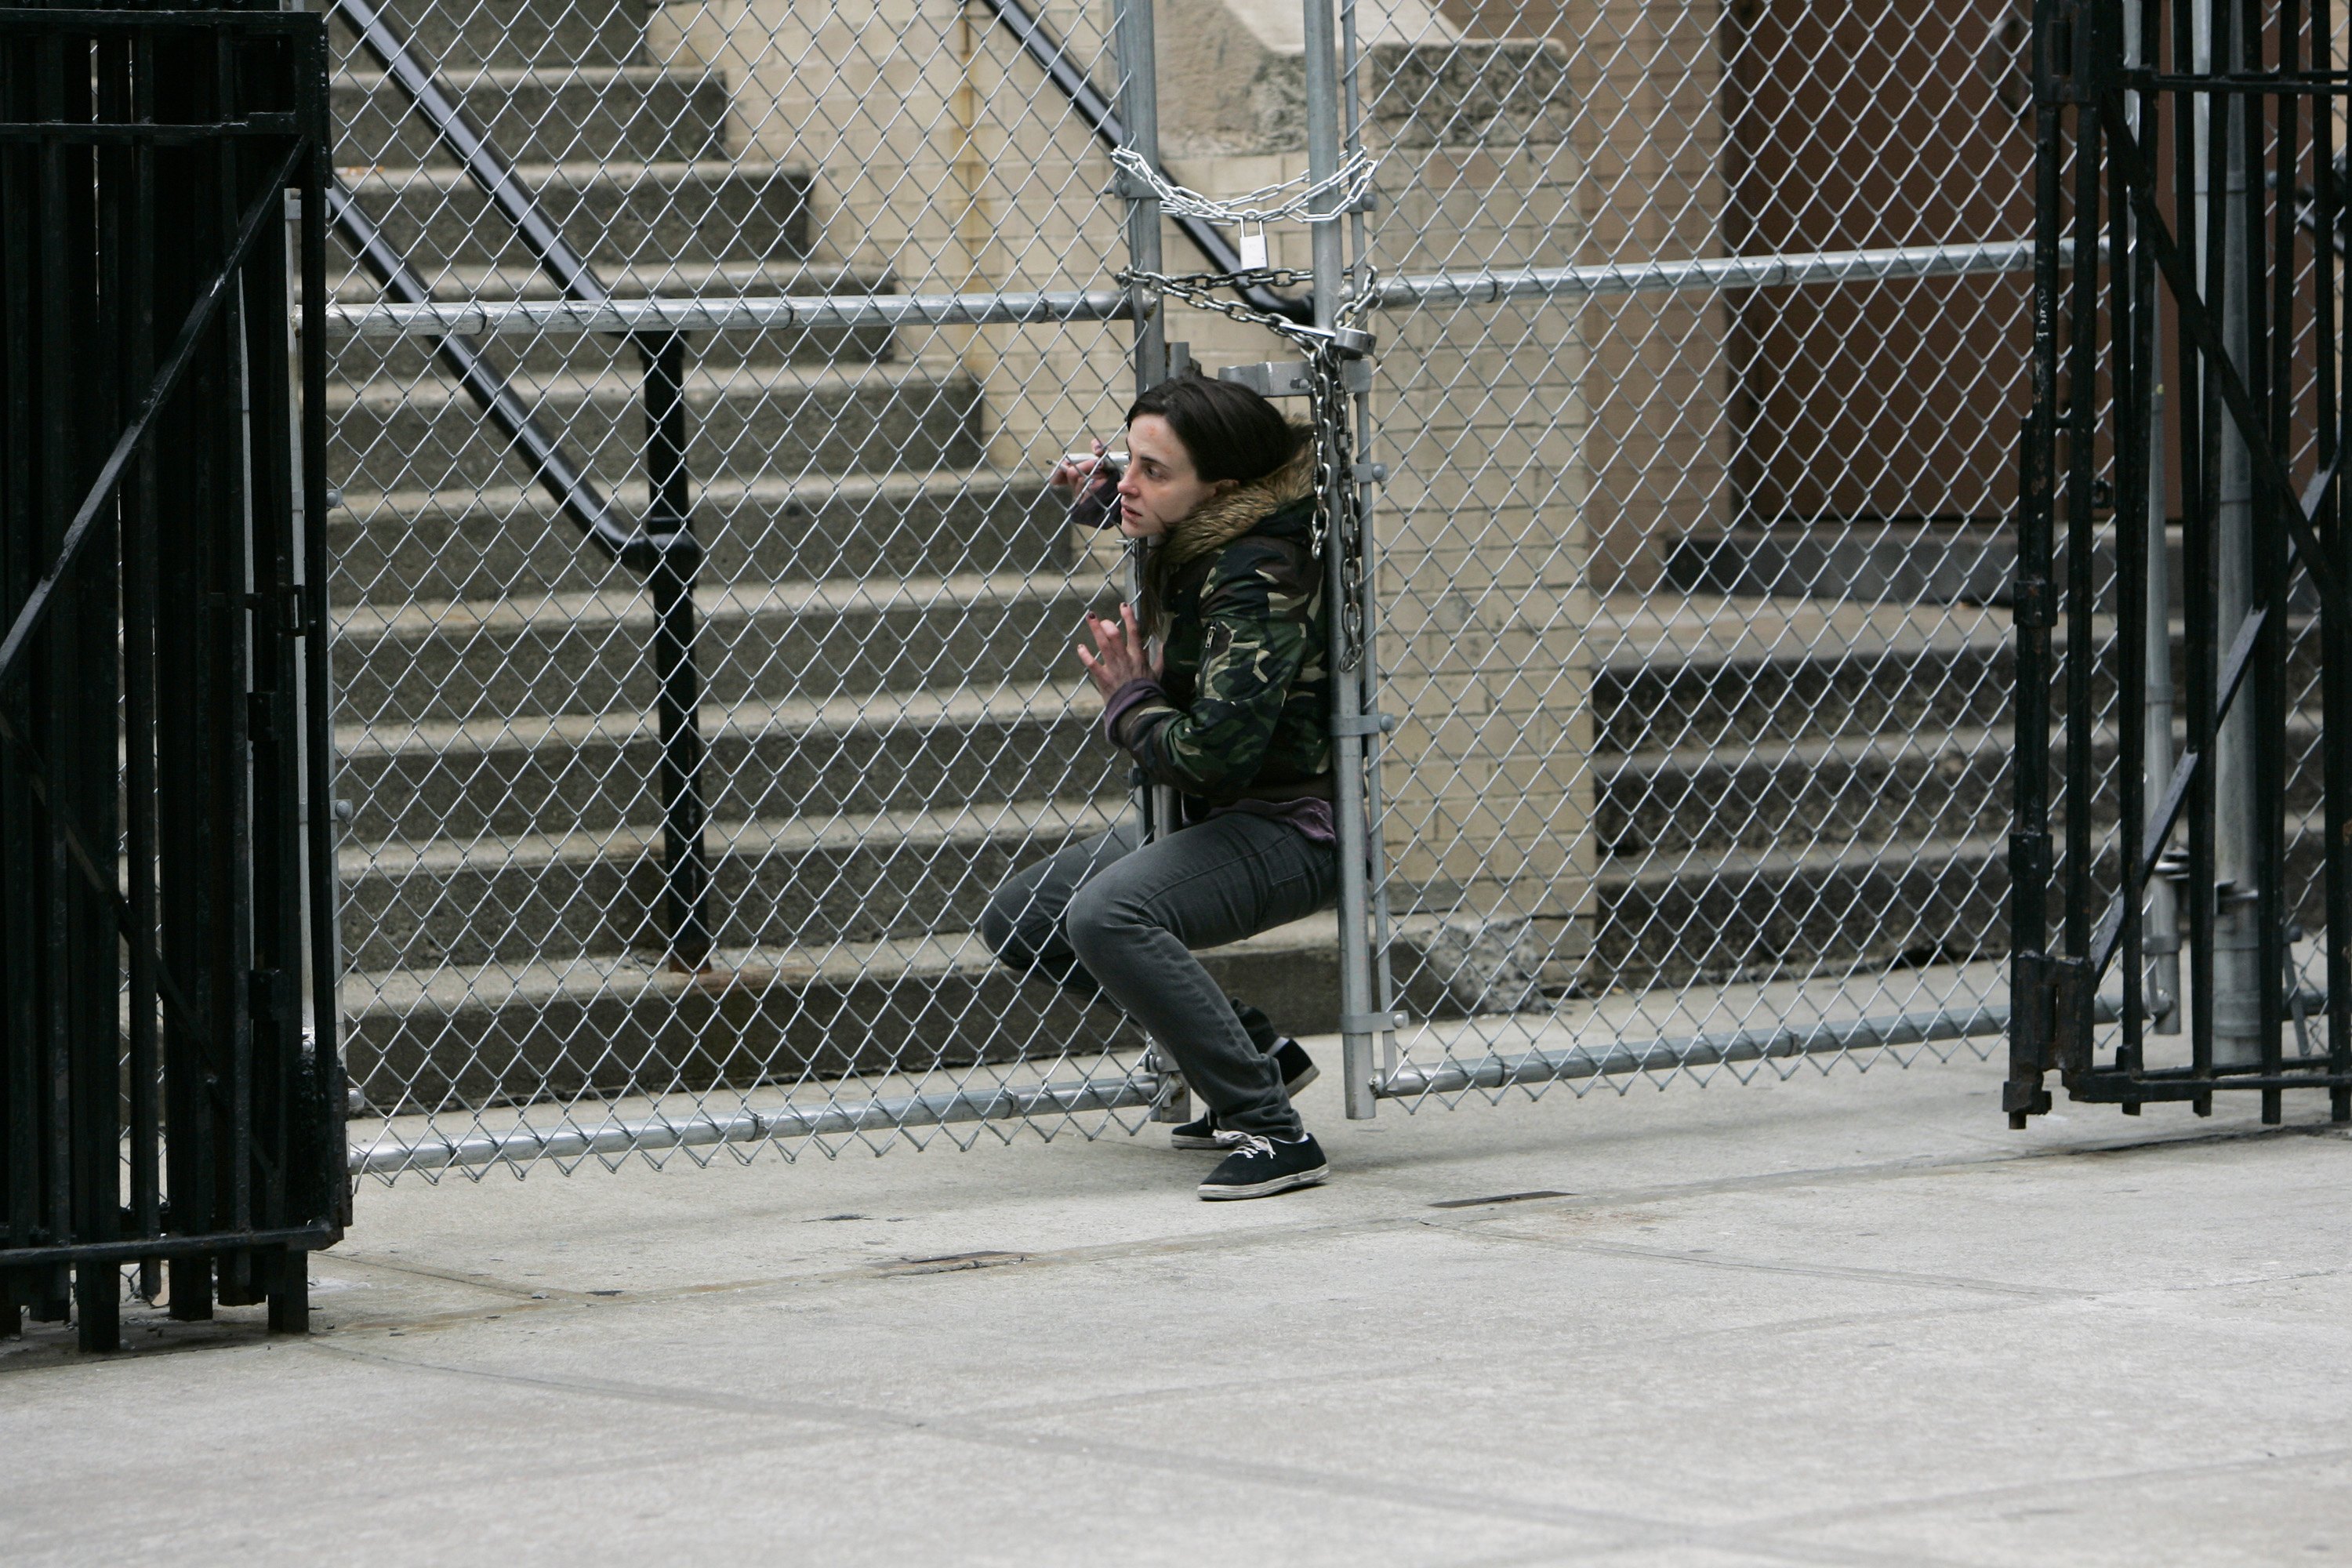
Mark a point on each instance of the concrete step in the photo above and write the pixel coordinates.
(505, 541)
(571, 113)
(360, 359)
(898, 751)
(1715, 673)
(800, 881)
(497, 1033)
(647, 214)
(461, 35)
(1761, 794)
(846, 419)
(588, 653)
(1893, 563)
(1834, 901)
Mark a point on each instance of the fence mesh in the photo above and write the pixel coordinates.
(1690, 575)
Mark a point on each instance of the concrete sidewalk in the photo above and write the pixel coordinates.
(1849, 1320)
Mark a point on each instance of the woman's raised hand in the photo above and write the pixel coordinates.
(1075, 472)
(1119, 655)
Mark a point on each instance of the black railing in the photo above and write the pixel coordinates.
(663, 548)
(2258, 327)
(166, 902)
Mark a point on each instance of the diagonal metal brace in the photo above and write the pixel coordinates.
(270, 204)
(2199, 325)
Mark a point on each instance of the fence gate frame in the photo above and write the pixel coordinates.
(1335, 330)
(164, 594)
(2110, 78)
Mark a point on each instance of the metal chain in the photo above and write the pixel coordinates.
(1352, 184)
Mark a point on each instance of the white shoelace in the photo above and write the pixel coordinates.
(1246, 1142)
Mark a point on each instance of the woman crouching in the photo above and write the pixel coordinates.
(1237, 717)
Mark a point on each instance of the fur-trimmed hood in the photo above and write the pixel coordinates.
(1221, 520)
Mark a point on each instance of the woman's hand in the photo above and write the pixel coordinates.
(1074, 473)
(1119, 655)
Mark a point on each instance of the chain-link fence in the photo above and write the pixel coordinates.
(703, 619)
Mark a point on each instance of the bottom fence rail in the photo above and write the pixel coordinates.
(749, 1126)
(1699, 1050)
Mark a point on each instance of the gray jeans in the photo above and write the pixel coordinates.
(1105, 917)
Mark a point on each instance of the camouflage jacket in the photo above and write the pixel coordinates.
(1241, 707)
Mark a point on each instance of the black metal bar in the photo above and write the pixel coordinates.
(1071, 81)
(139, 696)
(2247, 93)
(327, 1071)
(2335, 624)
(2272, 558)
(183, 357)
(2073, 1022)
(154, 667)
(685, 870)
(2203, 612)
(2232, 388)
(2134, 369)
(2023, 1094)
(317, 1234)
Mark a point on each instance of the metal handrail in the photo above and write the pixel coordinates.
(665, 548)
(1104, 121)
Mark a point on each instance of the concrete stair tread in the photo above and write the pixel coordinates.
(701, 384)
(928, 831)
(573, 172)
(685, 279)
(533, 984)
(722, 492)
(881, 711)
(1814, 753)
(633, 607)
(1852, 858)
(1634, 634)
(461, 78)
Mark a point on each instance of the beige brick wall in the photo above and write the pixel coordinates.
(1647, 77)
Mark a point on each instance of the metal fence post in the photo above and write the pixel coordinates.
(2237, 980)
(1347, 689)
(1138, 105)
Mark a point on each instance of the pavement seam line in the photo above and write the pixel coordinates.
(1200, 1241)
(956, 1429)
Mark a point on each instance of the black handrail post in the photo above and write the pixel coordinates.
(671, 575)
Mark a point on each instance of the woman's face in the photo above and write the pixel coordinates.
(1159, 487)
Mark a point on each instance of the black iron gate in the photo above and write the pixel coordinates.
(171, 1092)
(2190, 300)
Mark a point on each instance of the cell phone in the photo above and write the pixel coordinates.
(1106, 462)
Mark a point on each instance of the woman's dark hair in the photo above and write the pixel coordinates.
(1230, 431)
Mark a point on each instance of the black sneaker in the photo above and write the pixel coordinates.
(1299, 1071)
(1261, 1167)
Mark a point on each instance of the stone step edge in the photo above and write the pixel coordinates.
(464, 79)
(687, 280)
(884, 712)
(368, 624)
(701, 384)
(944, 955)
(504, 499)
(395, 178)
(926, 831)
